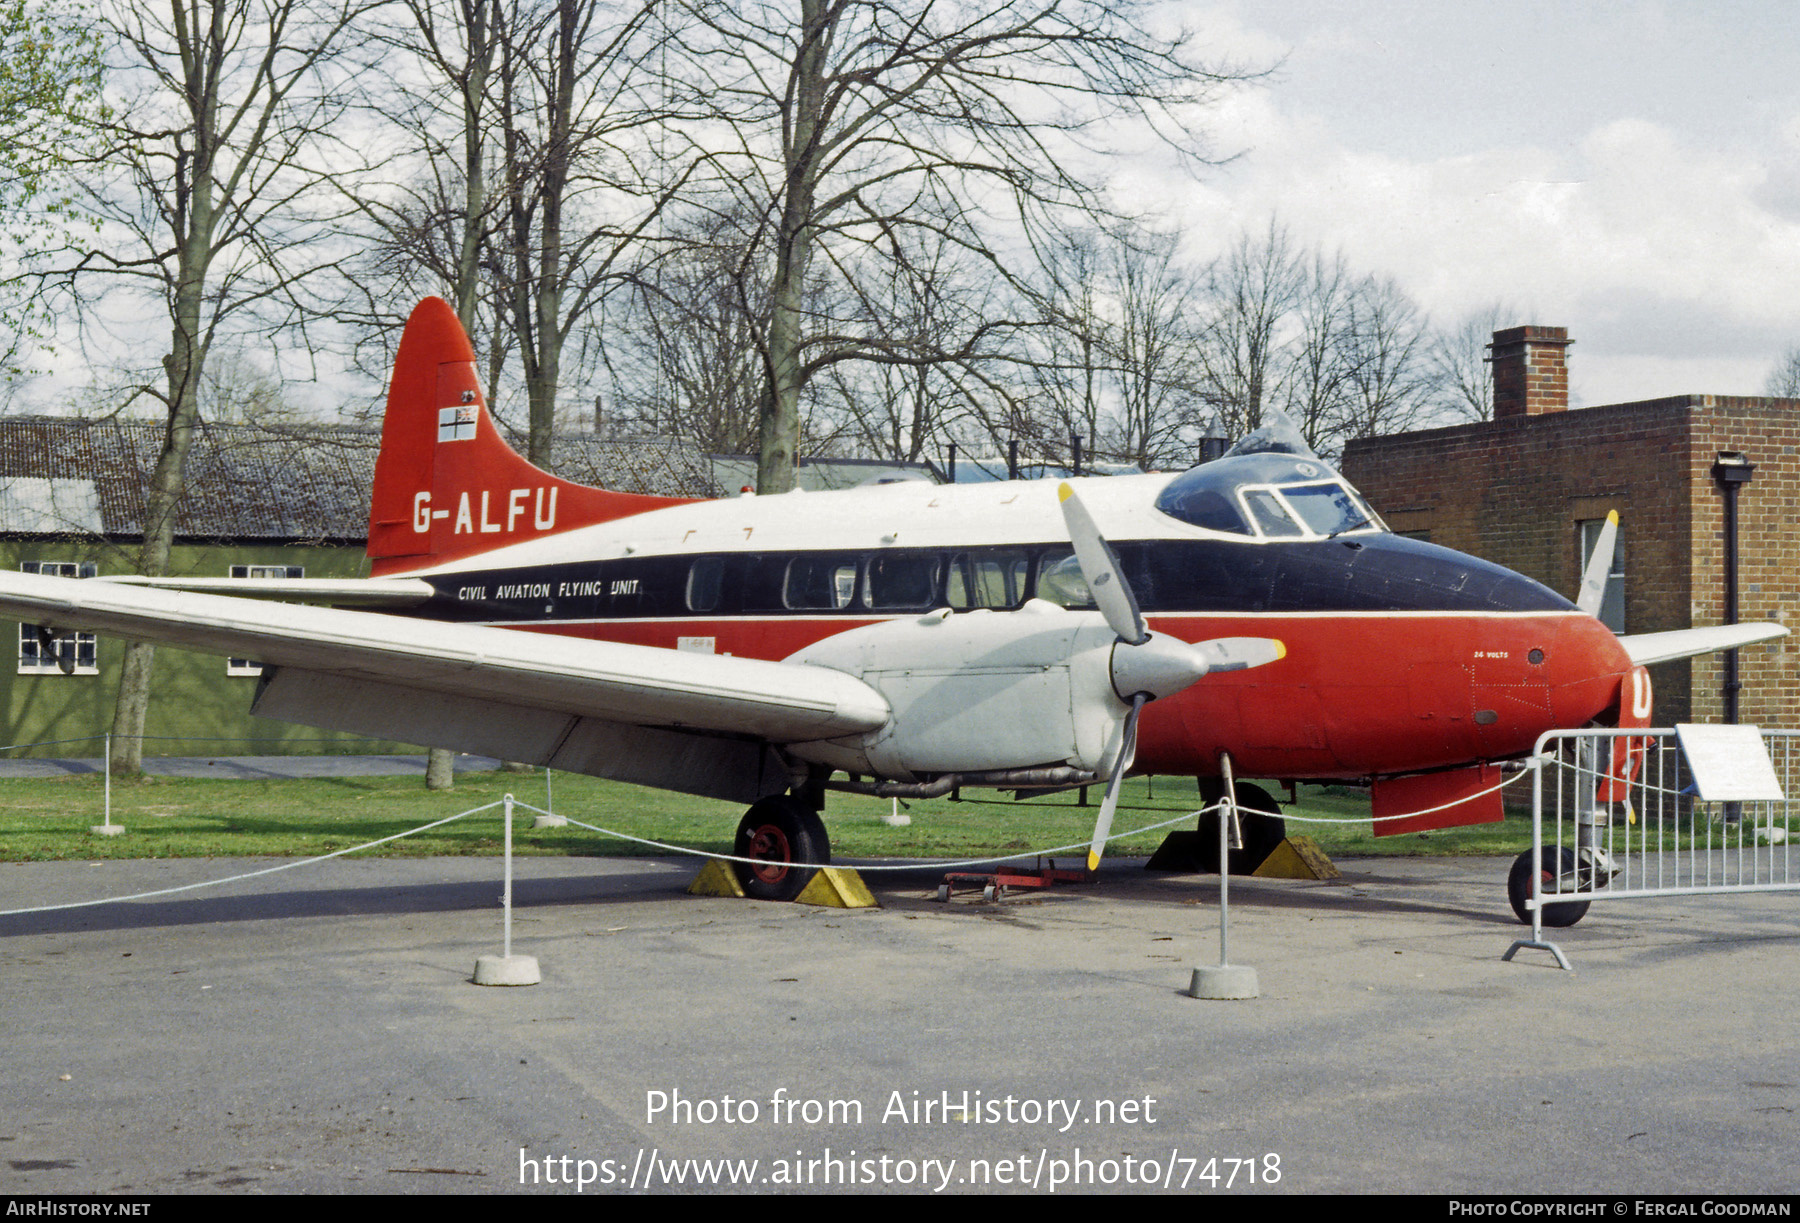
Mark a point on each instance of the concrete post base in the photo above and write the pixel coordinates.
(507, 970)
(1224, 981)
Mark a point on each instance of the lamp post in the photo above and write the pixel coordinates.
(1730, 471)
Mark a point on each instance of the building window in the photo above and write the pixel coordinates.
(245, 666)
(44, 653)
(1612, 603)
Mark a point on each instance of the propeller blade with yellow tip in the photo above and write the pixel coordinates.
(1121, 762)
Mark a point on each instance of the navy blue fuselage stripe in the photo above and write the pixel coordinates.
(1364, 573)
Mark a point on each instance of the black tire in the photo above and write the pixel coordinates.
(1263, 832)
(789, 838)
(1556, 863)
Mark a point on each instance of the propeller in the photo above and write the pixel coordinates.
(1101, 569)
(1593, 580)
(1145, 665)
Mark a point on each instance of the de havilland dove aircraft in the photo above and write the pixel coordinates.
(906, 638)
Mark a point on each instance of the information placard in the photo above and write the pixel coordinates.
(1730, 764)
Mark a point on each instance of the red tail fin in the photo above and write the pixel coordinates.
(446, 484)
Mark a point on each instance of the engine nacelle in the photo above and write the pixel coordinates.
(977, 692)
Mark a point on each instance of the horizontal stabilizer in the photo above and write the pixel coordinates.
(331, 592)
(1648, 648)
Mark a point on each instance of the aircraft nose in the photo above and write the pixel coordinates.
(1586, 664)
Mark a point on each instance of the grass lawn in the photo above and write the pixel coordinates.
(48, 819)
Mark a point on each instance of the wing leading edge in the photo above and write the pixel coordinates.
(1645, 649)
(336, 592)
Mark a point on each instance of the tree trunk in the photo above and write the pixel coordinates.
(168, 482)
(779, 436)
(440, 773)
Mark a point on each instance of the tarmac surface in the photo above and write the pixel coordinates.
(318, 1031)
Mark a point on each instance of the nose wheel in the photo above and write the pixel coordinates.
(1557, 871)
(1263, 829)
(787, 839)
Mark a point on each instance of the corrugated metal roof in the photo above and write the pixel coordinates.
(35, 505)
(63, 477)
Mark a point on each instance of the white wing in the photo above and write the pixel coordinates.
(1647, 648)
(614, 710)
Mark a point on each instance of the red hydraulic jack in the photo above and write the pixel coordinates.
(993, 884)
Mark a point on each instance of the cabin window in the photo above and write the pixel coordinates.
(987, 579)
(901, 582)
(1612, 603)
(247, 666)
(706, 581)
(42, 653)
(820, 583)
(1060, 581)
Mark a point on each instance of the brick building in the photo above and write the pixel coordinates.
(1529, 489)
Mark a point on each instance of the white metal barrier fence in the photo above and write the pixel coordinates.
(1616, 816)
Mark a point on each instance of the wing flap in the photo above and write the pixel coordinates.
(633, 685)
(739, 770)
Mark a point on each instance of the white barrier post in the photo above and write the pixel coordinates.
(507, 968)
(548, 818)
(107, 828)
(1225, 980)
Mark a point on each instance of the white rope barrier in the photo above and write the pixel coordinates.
(285, 866)
(917, 864)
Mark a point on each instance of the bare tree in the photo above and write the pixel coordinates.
(434, 224)
(207, 179)
(237, 389)
(854, 126)
(924, 303)
(1067, 374)
(1458, 363)
(584, 181)
(1254, 290)
(1784, 379)
(683, 361)
(1384, 344)
(1318, 381)
(1154, 348)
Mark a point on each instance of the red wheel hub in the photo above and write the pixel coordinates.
(771, 844)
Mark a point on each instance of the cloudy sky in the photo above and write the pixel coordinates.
(1628, 170)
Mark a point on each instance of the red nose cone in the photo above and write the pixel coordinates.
(1585, 664)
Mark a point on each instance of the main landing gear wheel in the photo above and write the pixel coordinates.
(1263, 831)
(1555, 864)
(788, 839)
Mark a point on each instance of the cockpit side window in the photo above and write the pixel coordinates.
(1271, 516)
(1206, 507)
(1327, 509)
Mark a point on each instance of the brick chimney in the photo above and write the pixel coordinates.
(1531, 371)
